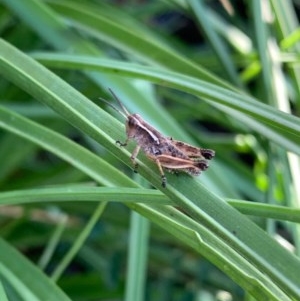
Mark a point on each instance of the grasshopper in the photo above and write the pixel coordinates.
(166, 152)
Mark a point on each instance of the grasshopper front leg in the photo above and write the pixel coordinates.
(133, 155)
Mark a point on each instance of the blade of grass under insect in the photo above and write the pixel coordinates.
(260, 250)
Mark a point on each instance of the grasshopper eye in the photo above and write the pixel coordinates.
(131, 121)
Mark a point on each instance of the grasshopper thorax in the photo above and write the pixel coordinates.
(132, 126)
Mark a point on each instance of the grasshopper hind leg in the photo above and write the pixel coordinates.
(163, 177)
(133, 157)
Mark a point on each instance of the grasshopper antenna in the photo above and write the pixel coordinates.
(113, 107)
(124, 114)
(119, 102)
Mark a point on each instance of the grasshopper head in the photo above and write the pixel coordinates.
(132, 125)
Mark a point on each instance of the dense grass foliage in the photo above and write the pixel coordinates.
(77, 223)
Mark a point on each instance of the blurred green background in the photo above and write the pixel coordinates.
(77, 223)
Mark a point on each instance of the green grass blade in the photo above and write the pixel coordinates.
(137, 257)
(19, 272)
(62, 147)
(104, 25)
(53, 241)
(273, 120)
(12, 157)
(225, 222)
(2, 293)
(78, 243)
(133, 195)
(126, 90)
(204, 20)
(199, 238)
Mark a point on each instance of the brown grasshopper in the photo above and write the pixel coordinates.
(167, 153)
